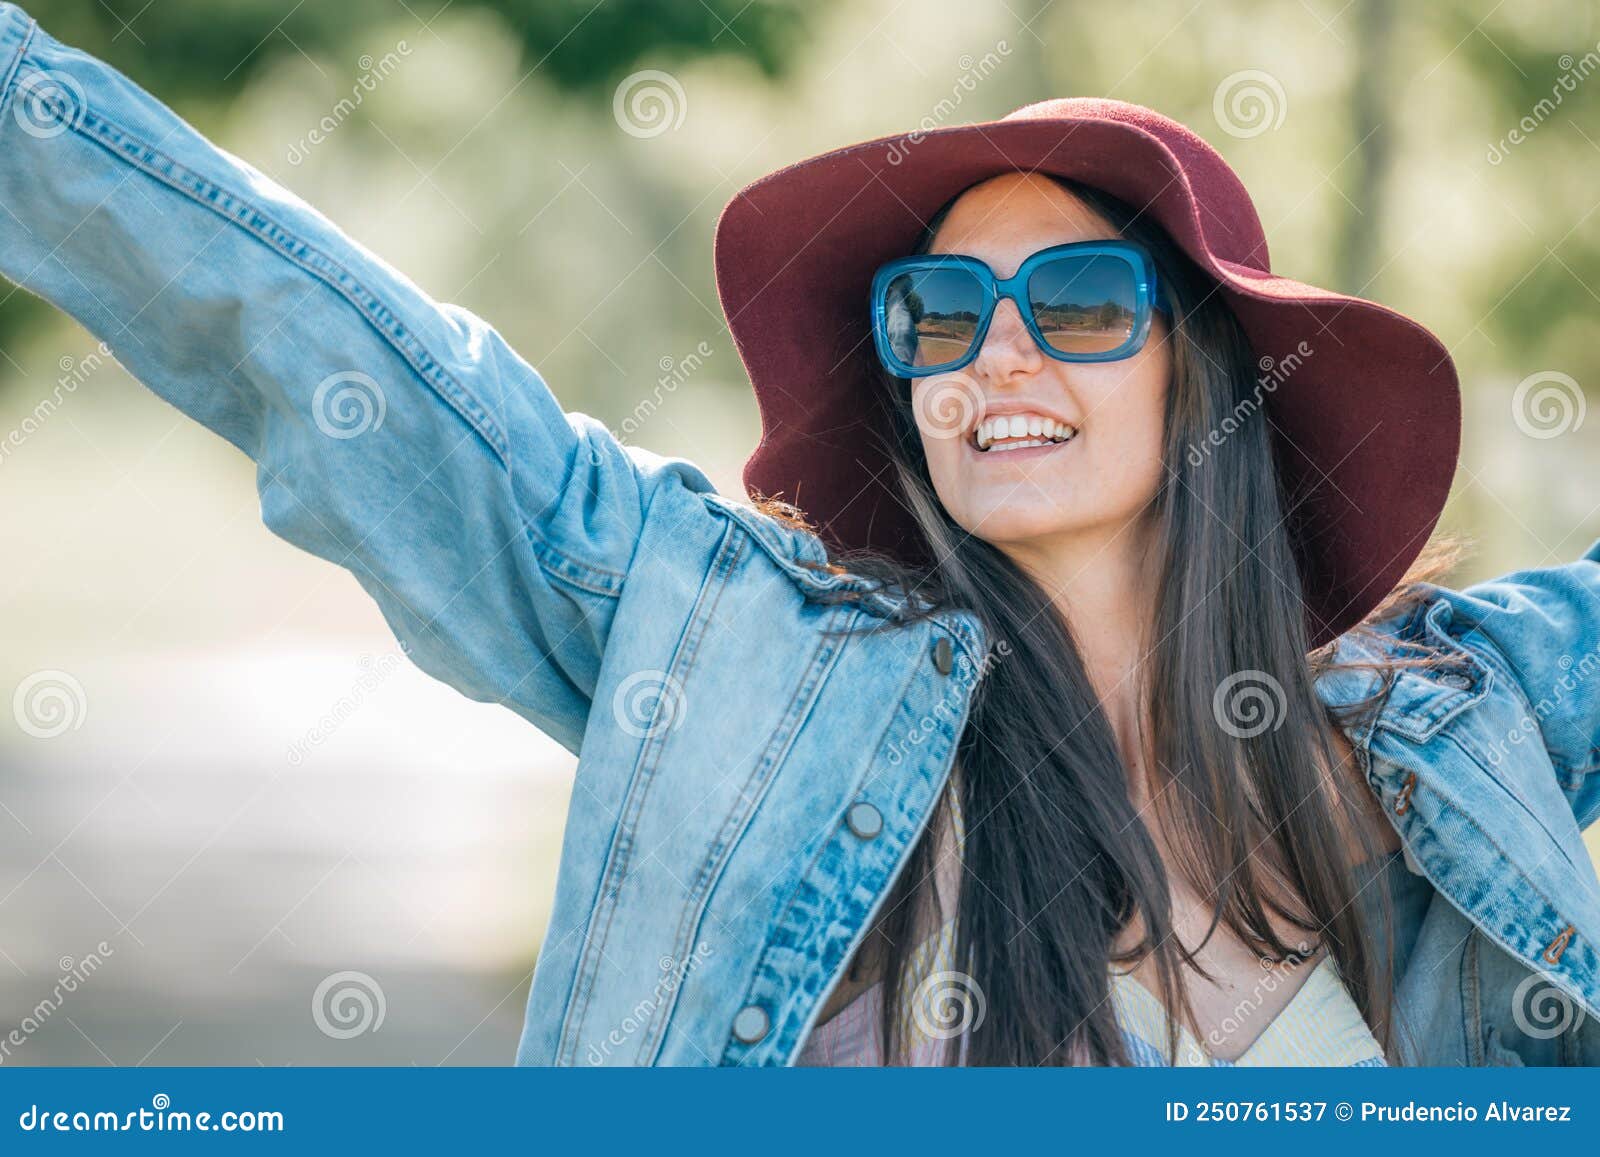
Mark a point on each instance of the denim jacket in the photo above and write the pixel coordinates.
(752, 770)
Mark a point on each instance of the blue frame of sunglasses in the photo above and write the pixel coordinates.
(1147, 292)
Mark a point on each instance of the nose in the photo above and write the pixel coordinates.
(1008, 348)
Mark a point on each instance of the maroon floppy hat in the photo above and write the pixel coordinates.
(1366, 428)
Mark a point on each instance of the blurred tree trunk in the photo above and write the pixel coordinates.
(1370, 113)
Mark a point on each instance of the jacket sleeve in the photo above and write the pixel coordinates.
(1545, 625)
(395, 436)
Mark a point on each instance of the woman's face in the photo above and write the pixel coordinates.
(1100, 480)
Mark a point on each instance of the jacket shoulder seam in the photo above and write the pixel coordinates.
(243, 214)
(14, 65)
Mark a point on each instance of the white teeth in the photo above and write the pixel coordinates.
(1023, 445)
(1037, 429)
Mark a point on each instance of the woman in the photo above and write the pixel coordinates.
(1021, 759)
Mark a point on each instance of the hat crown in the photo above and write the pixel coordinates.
(1228, 217)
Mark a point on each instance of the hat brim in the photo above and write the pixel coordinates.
(1366, 428)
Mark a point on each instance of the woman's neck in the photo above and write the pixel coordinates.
(1105, 589)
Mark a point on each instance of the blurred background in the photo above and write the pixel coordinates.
(253, 833)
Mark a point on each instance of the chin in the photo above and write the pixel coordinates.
(1015, 524)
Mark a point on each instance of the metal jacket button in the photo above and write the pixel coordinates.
(865, 820)
(1456, 679)
(752, 1024)
(943, 656)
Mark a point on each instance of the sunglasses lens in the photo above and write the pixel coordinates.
(1085, 304)
(932, 314)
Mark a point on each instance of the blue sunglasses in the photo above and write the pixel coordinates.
(1087, 301)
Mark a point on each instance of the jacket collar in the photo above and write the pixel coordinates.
(1413, 701)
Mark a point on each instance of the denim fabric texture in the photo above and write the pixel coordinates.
(754, 768)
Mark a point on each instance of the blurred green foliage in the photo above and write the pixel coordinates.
(1398, 115)
(185, 49)
(196, 53)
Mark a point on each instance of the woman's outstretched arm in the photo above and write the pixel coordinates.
(395, 436)
(1545, 625)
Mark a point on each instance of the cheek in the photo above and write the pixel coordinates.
(1128, 452)
(945, 461)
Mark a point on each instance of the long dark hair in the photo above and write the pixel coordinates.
(1055, 861)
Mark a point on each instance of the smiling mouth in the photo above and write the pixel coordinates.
(1020, 432)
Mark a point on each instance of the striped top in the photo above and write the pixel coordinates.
(1321, 1024)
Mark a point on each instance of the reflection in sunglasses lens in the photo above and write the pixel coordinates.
(932, 315)
(1084, 305)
